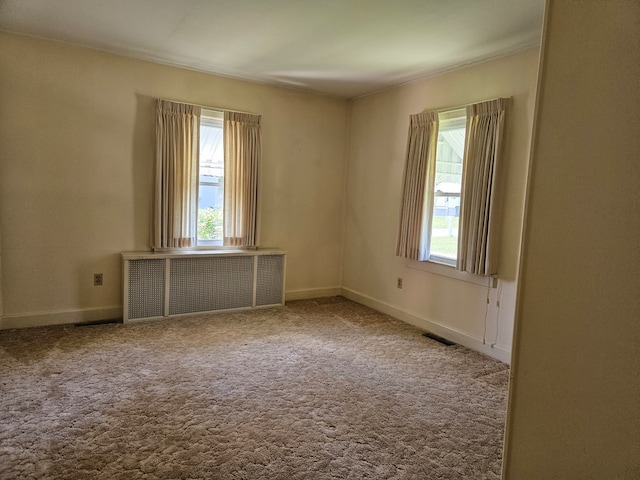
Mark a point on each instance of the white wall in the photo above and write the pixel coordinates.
(76, 174)
(574, 410)
(376, 155)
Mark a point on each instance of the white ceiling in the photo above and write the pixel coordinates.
(345, 48)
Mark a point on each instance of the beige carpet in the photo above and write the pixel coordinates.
(318, 389)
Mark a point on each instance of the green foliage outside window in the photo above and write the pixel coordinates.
(210, 223)
(447, 244)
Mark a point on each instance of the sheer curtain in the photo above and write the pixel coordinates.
(176, 186)
(480, 208)
(416, 208)
(243, 144)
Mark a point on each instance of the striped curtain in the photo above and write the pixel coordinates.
(419, 171)
(243, 145)
(176, 185)
(480, 204)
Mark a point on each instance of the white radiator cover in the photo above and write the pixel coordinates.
(168, 284)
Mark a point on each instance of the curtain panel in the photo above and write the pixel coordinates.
(416, 208)
(480, 203)
(243, 149)
(176, 175)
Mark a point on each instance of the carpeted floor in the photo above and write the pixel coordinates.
(317, 389)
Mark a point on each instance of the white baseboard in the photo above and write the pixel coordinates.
(60, 317)
(312, 293)
(461, 338)
(63, 317)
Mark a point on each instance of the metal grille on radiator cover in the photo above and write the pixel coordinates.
(270, 279)
(146, 288)
(212, 283)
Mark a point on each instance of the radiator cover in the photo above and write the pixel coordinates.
(168, 284)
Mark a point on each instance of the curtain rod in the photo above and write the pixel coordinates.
(206, 107)
(460, 107)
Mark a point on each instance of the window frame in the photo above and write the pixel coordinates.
(454, 118)
(445, 270)
(213, 118)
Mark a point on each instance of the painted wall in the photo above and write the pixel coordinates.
(76, 174)
(574, 410)
(377, 148)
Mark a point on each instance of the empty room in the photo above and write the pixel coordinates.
(319, 240)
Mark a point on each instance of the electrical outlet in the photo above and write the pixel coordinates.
(97, 279)
(399, 283)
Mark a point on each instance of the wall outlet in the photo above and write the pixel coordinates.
(399, 284)
(97, 279)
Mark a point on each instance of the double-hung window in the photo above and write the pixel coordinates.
(446, 189)
(211, 179)
(206, 188)
(450, 200)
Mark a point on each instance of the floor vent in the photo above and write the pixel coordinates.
(438, 338)
(91, 323)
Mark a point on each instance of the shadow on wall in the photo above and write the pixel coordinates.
(143, 170)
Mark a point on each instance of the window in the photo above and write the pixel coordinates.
(211, 179)
(451, 205)
(444, 216)
(205, 193)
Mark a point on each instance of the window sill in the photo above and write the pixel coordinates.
(204, 248)
(450, 272)
(203, 253)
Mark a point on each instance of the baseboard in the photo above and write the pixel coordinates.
(461, 338)
(312, 293)
(60, 317)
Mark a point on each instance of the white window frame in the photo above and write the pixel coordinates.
(449, 271)
(211, 118)
(456, 116)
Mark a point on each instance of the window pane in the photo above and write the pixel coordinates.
(211, 188)
(447, 188)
